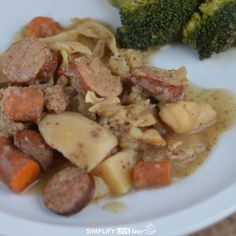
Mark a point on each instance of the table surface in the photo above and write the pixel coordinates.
(226, 227)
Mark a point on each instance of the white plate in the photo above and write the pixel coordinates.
(186, 206)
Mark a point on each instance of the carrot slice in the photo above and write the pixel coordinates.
(151, 173)
(41, 27)
(17, 170)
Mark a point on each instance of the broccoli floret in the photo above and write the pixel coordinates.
(151, 23)
(213, 28)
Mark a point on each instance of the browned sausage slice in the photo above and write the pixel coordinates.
(90, 74)
(28, 60)
(69, 191)
(23, 104)
(166, 85)
(31, 143)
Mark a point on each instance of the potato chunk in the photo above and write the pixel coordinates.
(101, 188)
(188, 117)
(82, 141)
(116, 171)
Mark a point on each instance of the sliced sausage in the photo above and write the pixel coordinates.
(41, 27)
(90, 74)
(166, 85)
(69, 191)
(55, 99)
(28, 60)
(23, 104)
(17, 170)
(31, 143)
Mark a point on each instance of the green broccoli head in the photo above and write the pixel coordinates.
(151, 23)
(213, 28)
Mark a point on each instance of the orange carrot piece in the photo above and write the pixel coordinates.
(41, 27)
(23, 104)
(151, 173)
(17, 170)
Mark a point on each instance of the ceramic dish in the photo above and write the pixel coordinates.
(181, 208)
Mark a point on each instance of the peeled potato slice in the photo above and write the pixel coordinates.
(188, 117)
(82, 141)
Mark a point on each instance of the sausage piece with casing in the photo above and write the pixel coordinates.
(23, 104)
(91, 74)
(31, 143)
(69, 191)
(28, 60)
(165, 85)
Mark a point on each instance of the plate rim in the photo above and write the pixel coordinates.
(198, 222)
(222, 203)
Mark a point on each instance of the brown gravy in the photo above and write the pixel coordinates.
(115, 207)
(224, 103)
